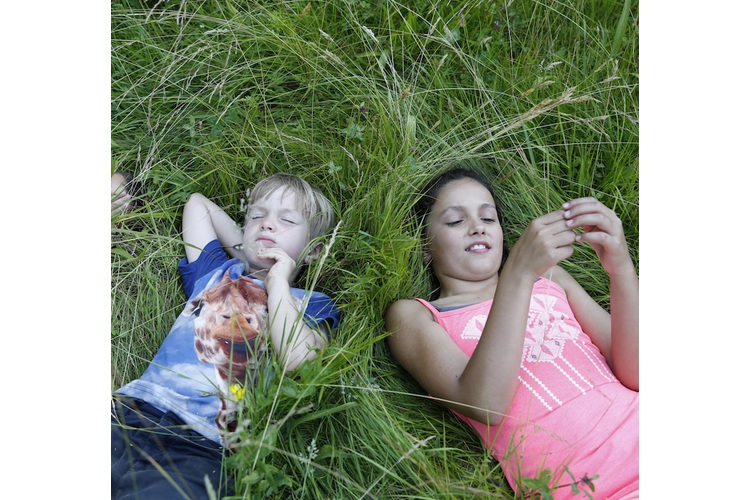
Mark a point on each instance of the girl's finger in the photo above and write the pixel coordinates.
(591, 219)
(584, 206)
(596, 238)
(579, 201)
(551, 217)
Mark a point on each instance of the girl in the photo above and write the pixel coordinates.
(546, 376)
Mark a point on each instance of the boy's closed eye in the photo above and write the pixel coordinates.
(283, 218)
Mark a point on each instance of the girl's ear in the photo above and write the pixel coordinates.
(426, 257)
(314, 253)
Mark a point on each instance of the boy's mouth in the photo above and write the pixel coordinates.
(265, 241)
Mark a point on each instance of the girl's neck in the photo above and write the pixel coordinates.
(459, 293)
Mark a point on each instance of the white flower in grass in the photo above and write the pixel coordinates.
(312, 450)
(312, 453)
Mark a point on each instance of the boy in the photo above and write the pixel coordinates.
(170, 427)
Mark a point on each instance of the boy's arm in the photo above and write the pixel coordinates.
(202, 222)
(292, 339)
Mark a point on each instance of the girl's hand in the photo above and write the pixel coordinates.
(602, 229)
(545, 242)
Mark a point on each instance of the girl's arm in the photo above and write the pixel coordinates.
(615, 334)
(481, 387)
(202, 222)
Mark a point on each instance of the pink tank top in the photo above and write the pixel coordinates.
(569, 409)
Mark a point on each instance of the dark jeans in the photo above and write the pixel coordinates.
(155, 455)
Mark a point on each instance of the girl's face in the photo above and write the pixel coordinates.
(275, 221)
(465, 240)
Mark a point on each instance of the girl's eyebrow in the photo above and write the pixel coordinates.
(462, 208)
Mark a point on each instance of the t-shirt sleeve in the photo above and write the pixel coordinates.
(322, 310)
(212, 257)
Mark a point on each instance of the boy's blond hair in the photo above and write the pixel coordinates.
(311, 202)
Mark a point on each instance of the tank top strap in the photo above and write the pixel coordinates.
(432, 309)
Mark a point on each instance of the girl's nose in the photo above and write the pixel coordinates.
(477, 228)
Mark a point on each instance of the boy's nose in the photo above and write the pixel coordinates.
(267, 224)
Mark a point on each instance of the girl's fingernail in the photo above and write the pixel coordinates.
(566, 205)
(567, 213)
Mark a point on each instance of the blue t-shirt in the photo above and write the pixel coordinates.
(177, 380)
(211, 257)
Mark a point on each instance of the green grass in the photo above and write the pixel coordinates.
(364, 99)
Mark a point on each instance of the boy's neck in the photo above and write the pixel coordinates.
(261, 274)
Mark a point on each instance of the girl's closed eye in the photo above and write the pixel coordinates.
(454, 223)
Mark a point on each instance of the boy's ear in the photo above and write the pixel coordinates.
(314, 253)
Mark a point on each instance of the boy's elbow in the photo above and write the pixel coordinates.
(195, 199)
(300, 354)
(193, 204)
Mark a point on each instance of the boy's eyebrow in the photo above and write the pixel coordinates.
(283, 211)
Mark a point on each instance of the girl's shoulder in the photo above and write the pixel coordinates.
(408, 314)
(405, 307)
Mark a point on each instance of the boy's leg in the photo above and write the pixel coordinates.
(154, 455)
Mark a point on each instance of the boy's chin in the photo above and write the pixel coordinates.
(258, 264)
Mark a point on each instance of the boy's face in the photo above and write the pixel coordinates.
(274, 222)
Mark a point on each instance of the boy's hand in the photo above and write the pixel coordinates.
(281, 267)
(602, 229)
